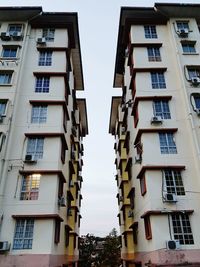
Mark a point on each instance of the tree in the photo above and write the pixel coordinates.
(110, 255)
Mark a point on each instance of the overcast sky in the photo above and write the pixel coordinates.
(98, 28)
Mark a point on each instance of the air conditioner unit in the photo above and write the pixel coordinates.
(62, 201)
(30, 159)
(173, 244)
(138, 158)
(121, 198)
(41, 40)
(16, 35)
(169, 197)
(183, 32)
(5, 36)
(130, 214)
(156, 120)
(4, 245)
(195, 81)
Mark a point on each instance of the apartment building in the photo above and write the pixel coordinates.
(156, 126)
(42, 126)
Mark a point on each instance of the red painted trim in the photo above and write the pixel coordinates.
(135, 70)
(148, 98)
(158, 167)
(164, 212)
(45, 172)
(38, 216)
(153, 130)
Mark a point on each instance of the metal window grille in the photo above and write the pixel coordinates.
(193, 73)
(167, 144)
(5, 78)
(42, 84)
(182, 25)
(14, 28)
(30, 187)
(39, 114)
(174, 182)
(150, 31)
(158, 80)
(23, 237)
(188, 48)
(45, 58)
(182, 229)
(35, 147)
(9, 53)
(154, 54)
(161, 108)
(48, 33)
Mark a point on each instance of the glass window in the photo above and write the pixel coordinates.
(158, 80)
(14, 28)
(150, 31)
(167, 144)
(48, 33)
(3, 104)
(182, 229)
(39, 114)
(182, 25)
(30, 187)
(188, 48)
(153, 53)
(193, 73)
(161, 109)
(45, 58)
(9, 52)
(42, 84)
(23, 236)
(173, 182)
(5, 78)
(35, 147)
(197, 102)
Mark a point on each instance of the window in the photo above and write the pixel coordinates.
(13, 28)
(23, 237)
(193, 73)
(30, 187)
(182, 229)
(143, 187)
(39, 114)
(35, 147)
(5, 78)
(42, 85)
(161, 108)
(48, 33)
(182, 25)
(153, 53)
(197, 102)
(188, 48)
(167, 144)
(173, 182)
(147, 227)
(3, 105)
(9, 52)
(45, 58)
(150, 31)
(158, 80)
(57, 232)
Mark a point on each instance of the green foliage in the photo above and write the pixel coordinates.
(100, 252)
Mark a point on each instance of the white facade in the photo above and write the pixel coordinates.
(167, 152)
(49, 88)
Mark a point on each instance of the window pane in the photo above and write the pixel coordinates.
(158, 80)
(35, 147)
(161, 108)
(48, 33)
(153, 54)
(39, 114)
(197, 102)
(45, 58)
(150, 31)
(5, 78)
(42, 85)
(167, 144)
(23, 236)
